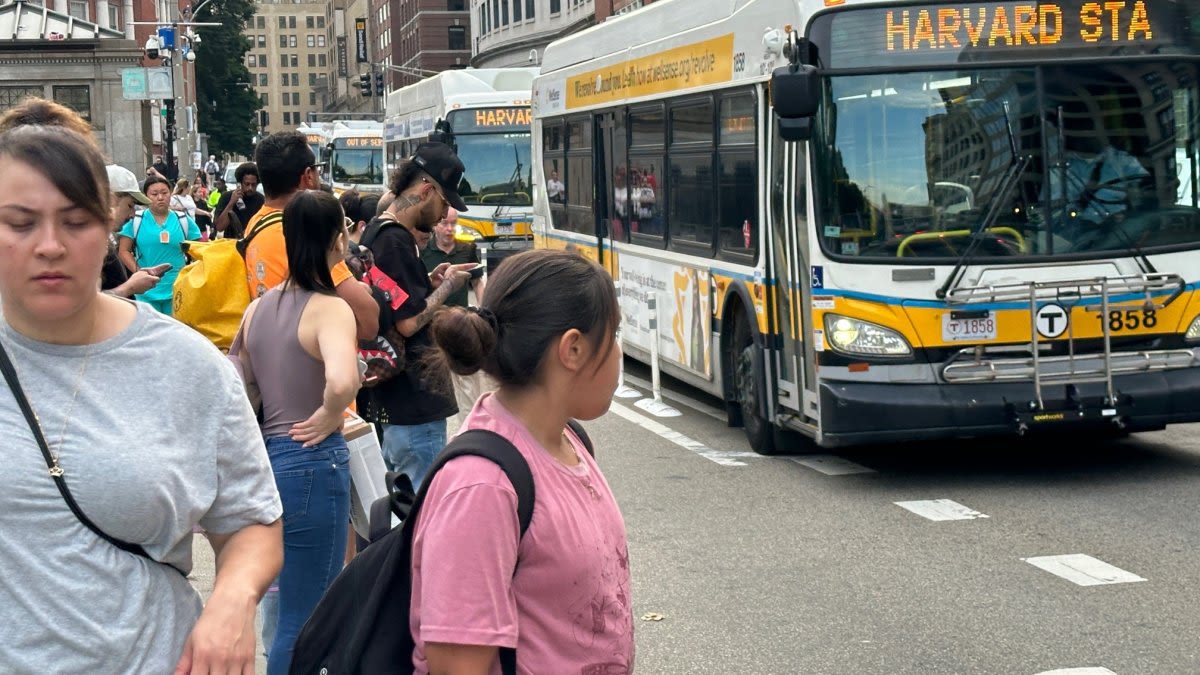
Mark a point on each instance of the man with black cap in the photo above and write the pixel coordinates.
(411, 408)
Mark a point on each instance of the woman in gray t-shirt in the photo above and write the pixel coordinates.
(152, 431)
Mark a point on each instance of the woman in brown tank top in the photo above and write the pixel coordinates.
(301, 348)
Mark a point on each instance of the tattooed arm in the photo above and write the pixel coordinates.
(453, 281)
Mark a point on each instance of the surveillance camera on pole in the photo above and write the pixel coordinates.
(152, 47)
(190, 56)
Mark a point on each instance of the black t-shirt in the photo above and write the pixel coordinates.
(420, 394)
(235, 230)
(113, 273)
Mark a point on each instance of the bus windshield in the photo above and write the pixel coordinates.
(498, 169)
(1048, 161)
(358, 166)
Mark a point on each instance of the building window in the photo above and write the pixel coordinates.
(78, 9)
(292, 41)
(516, 11)
(504, 12)
(291, 22)
(483, 18)
(529, 9)
(456, 5)
(283, 61)
(263, 98)
(310, 22)
(312, 98)
(262, 41)
(312, 41)
(283, 42)
(312, 79)
(251, 60)
(295, 79)
(458, 37)
(283, 22)
(320, 22)
(320, 40)
(321, 60)
(11, 96)
(114, 15)
(262, 80)
(555, 6)
(77, 98)
(495, 14)
(295, 60)
(312, 60)
(260, 22)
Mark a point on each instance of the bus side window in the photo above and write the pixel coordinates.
(554, 170)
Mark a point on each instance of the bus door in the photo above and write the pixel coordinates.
(787, 269)
(607, 144)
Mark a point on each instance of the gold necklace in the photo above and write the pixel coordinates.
(56, 469)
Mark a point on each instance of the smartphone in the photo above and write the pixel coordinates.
(158, 270)
(472, 268)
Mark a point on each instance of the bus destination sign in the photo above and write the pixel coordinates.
(360, 142)
(995, 31)
(480, 120)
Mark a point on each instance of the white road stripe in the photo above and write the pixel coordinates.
(1091, 670)
(692, 403)
(941, 509)
(831, 465)
(1083, 569)
(722, 457)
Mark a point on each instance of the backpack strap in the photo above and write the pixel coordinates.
(583, 435)
(372, 233)
(266, 221)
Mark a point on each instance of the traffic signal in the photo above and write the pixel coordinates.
(364, 84)
(379, 87)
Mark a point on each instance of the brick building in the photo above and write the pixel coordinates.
(421, 36)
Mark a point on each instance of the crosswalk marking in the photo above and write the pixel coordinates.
(831, 465)
(722, 457)
(940, 510)
(1091, 670)
(1083, 569)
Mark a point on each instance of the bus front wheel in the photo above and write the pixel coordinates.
(748, 388)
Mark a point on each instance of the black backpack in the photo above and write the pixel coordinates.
(361, 624)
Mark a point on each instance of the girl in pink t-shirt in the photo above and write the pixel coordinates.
(560, 595)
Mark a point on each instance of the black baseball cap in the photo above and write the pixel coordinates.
(444, 167)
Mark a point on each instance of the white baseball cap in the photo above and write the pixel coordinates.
(122, 181)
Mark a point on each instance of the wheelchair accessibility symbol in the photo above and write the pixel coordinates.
(1052, 320)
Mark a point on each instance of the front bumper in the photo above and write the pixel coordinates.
(496, 250)
(855, 413)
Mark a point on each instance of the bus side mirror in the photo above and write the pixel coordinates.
(795, 95)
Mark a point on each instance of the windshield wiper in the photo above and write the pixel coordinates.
(1014, 173)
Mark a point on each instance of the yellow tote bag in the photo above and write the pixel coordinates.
(210, 293)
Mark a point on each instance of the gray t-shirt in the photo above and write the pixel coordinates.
(161, 438)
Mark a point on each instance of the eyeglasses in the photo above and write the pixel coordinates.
(438, 192)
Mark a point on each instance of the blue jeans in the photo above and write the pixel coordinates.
(411, 449)
(314, 484)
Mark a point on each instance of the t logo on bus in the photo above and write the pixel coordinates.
(1052, 320)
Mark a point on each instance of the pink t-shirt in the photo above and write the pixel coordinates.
(567, 609)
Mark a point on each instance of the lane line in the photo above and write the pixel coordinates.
(698, 406)
(1090, 670)
(1083, 570)
(722, 457)
(939, 510)
(831, 465)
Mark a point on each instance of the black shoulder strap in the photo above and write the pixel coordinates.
(583, 436)
(372, 233)
(267, 221)
(14, 385)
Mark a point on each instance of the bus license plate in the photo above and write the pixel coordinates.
(505, 228)
(968, 329)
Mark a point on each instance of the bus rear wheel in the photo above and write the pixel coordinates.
(747, 389)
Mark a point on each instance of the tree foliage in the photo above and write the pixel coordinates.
(226, 102)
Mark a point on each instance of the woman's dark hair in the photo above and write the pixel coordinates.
(531, 300)
(312, 221)
(155, 180)
(67, 159)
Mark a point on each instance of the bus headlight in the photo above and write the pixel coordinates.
(853, 336)
(1193, 332)
(464, 232)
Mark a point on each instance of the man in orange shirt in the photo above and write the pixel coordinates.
(286, 165)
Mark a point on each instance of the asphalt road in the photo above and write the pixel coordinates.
(748, 564)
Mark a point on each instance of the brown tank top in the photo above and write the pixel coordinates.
(292, 382)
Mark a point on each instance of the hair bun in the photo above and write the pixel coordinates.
(466, 338)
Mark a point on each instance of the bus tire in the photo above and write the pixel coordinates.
(747, 388)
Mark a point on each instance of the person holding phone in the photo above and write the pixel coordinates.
(153, 240)
(235, 208)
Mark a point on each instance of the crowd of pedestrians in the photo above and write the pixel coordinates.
(158, 436)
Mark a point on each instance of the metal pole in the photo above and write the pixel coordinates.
(655, 375)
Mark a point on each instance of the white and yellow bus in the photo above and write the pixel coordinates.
(355, 155)
(952, 220)
(484, 114)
